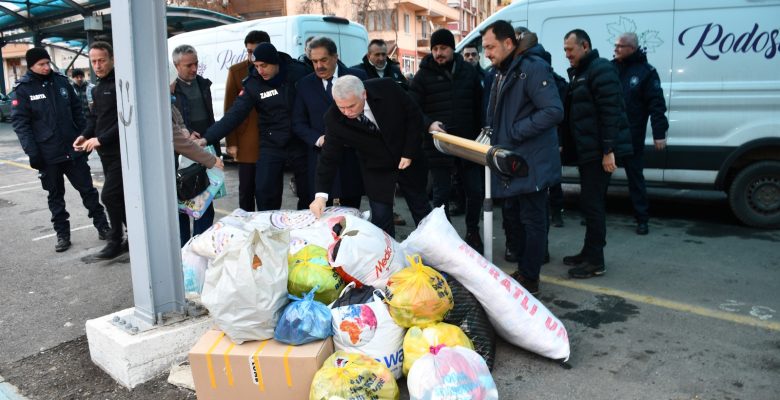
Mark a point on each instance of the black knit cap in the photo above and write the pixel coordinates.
(266, 52)
(36, 54)
(442, 36)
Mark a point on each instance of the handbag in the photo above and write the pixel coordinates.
(191, 181)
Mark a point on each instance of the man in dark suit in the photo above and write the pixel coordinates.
(308, 123)
(384, 126)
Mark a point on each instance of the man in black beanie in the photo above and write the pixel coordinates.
(47, 117)
(270, 89)
(449, 91)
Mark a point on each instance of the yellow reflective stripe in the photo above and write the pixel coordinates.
(229, 370)
(210, 364)
(287, 366)
(260, 383)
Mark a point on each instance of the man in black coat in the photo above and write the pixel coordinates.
(308, 121)
(596, 135)
(449, 92)
(383, 125)
(644, 98)
(47, 117)
(270, 89)
(376, 64)
(102, 134)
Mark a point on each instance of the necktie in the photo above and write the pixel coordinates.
(329, 88)
(372, 128)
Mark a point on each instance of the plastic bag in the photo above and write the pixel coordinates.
(363, 253)
(246, 287)
(193, 268)
(309, 268)
(196, 206)
(418, 341)
(469, 316)
(365, 326)
(353, 376)
(418, 295)
(304, 320)
(451, 373)
(517, 315)
(218, 237)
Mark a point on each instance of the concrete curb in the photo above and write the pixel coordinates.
(9, 391)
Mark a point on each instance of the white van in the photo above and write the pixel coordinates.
(719, 63)
(219, 48)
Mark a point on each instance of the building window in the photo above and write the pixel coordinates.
(406, 23)
(424, 28)
(408, 63)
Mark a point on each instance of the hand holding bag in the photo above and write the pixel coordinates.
(191, 181)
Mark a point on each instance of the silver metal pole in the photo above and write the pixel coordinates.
(143, 101)
(488, 218)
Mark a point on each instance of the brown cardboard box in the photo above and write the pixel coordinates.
(266, 369)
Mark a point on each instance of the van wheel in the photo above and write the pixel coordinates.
(754, 195)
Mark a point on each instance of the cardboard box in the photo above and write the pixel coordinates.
(265, 369)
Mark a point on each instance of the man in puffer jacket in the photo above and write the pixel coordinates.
(449, 92)
(596, 134)
(644, 98)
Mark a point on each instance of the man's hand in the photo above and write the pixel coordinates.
(78, 144)
(660, 144)
(201, 142)
(232, 151)
(317, 206)
(320, 141)
(90, 144)
(195, 135)
(405, 163)
(436, 126)
(219, 164)
(608, 162)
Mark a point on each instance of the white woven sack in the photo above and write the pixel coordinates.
(518, 316)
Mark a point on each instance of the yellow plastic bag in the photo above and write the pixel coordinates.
(353, 376)
(308, 268)
(418, 295)
(418, 341)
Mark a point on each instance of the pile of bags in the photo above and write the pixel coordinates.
(287, 275)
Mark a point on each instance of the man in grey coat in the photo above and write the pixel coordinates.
(524, 109)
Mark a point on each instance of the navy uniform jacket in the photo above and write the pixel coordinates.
(47, 117)
(273, 101)
(308, 123)
(643, 96)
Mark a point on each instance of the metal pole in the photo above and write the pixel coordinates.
(144, 109)
(488, 218)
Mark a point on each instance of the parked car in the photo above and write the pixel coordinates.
(5, 106)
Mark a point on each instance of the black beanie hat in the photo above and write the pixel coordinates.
(36, 54)
(443, 36)
(266, 52)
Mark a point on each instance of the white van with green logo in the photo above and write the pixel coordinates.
(719, 64)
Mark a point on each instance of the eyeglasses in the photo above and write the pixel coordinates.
(470, 54)
(620, 46)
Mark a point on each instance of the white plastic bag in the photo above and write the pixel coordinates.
(451, 373)
(368, 329)
(246, 288)
(193, 268)
(365, 254)
(516, 314)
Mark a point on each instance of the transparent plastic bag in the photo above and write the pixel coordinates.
(451, 373)
(353, 376)
(304, 320)
(418, 295)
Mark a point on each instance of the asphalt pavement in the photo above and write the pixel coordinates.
(689, 311)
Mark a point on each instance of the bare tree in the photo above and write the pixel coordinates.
(364, 8)
(313, 6)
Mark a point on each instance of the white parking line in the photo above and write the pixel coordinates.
(18, 184)
(54, 234)
(19, 190)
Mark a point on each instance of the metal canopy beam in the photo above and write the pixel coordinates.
(15, 14)
(77, 7)
(141, 64)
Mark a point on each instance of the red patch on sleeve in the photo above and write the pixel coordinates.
(15, 102)
(241, 93)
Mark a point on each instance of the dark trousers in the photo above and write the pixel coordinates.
(633, 166)
(246, 186)
(473, 184)
(593, 192)
(269, 178)
(416, 200)
(113, 196)
(198, 226)
(556, 197)
(78, 173)
(526, 223)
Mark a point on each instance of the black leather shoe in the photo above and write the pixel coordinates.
(587, 270)
(510, 256)
(529, 285)
(574, 260)
(112, 250)
(557, 218)
(475, 241)
(63, 244)
(642, 228)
